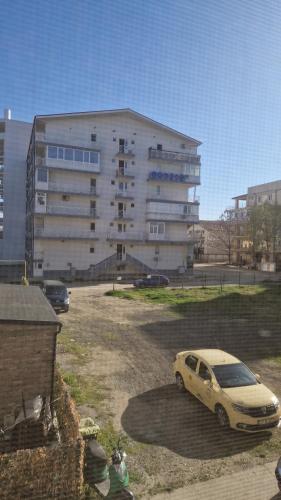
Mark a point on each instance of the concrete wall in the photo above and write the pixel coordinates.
(16, 141)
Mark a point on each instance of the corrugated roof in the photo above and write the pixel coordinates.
(25, 304)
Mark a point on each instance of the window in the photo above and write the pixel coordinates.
(60, 153)
(65, 197)
(132, 205)
(157, 250)
(52, 151)
(132, 184)
(132, 142)
(39, 265)
(158, 190)
(191, 361)
(112, 203)
(93, 226)
(133, 162)
(93, 137)
(42, 174)
(94, 157)
(119, 228)
(114, 139)
(78, 155)
(92, 249)
(112, 182)
(159, 147)
(68, 154)
(183, 146)
(204, 373)
(86, 157)
(157, 227)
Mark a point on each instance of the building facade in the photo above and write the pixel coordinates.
(14, 141)
(109, 191)
(261, 194)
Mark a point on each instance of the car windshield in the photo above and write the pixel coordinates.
(234, 375)
(56, 290)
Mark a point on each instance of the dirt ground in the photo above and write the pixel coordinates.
(132, 344)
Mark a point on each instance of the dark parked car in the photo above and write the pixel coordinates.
(152, 281)
(57, 294)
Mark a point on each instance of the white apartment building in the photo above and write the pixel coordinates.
(14, 141)
(109, 191)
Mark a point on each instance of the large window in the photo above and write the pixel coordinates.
(71, 154)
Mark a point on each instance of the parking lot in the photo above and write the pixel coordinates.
(128, 347)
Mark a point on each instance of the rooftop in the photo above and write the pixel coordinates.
(128, 111)
(25, 304)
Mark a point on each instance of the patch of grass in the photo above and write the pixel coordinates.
(119, 293)
(85, 389)
(108, 437)
(71, 346)
(276, 359)
(232, 301)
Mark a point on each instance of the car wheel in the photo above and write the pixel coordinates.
(180, 383)
(222, 416)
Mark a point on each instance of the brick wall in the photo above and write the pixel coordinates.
(26, 364)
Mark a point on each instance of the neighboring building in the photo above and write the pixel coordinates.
(256, 195)
(210, 241)
(109, 191)
(14, 141)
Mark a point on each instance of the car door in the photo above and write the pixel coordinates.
(189, 372)
(204, 384)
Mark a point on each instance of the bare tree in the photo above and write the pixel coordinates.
(226, 234)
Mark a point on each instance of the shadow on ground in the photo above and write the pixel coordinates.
(247, 326)
(179, 422)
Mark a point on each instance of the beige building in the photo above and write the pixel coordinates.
(210, 241)
(109, 191)
(255, 196)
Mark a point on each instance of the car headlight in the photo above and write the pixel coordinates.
(66, 301)
(276, 404)
(240, 408)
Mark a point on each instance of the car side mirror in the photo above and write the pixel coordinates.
(69, 293)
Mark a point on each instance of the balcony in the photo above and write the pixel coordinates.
(65, 234)
(172, 212)
(124, 215)
(125, 236)
(166, 238)
(160, 154)
(124, 195)
(56, 187)
(125, 152)
(71, 211)
(168, 217)
(174, 178)
(124, 172)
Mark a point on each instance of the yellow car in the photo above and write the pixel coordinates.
(228, 388)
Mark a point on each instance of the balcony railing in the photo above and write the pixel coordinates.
(168, 216)
(125, 151)
(164, 237)
(124, 214)
(70, 189)
(71, 211)
(124, 172)
(62, 233)
(127, 235)
(124, 194)
(161, 154)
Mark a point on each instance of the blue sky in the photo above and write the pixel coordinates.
(209, 68)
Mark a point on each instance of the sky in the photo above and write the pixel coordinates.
(208, 68)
